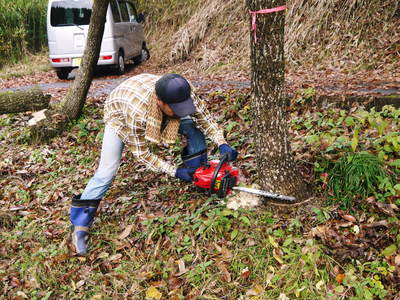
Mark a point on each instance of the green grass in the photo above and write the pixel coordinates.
(356, 175)
(23, 28)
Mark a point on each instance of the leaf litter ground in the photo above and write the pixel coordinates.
(157, 238)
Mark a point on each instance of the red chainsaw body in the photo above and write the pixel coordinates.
(204, 175)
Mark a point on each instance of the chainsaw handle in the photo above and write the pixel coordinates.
(223, 159)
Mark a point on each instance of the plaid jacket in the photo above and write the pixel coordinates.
(126, 111)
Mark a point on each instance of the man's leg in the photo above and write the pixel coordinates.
(84, 206)
(195, 152)
(111, 153)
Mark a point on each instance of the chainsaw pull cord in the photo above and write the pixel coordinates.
(223, 159)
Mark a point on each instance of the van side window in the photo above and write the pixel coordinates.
(132, 12)
(115, 11)
(124, 11)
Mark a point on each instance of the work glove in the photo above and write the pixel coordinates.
(232, 153)
(185, 174)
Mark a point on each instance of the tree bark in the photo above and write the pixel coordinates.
(275, 163)
(21, 101)
(76, 96)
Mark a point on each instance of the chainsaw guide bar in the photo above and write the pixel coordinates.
(283, 198)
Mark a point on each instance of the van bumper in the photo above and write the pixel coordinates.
(73, 60)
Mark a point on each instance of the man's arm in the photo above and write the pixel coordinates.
(206, 122)
(210, 128)
(141, 151)
(153, 162)
(133, 137)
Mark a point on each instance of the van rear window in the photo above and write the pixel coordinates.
(70, 13)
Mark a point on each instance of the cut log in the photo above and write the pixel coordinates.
(21, 101)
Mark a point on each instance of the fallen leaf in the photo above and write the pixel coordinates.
(126, 232)
(256, 290)
(277, 254)
(383, 223)
(319, 231)
(115, 257)
(15, 282)
(144, 274)
(349, 218)
(269, 278)
(339, 289)
(340, 277)
(226, 253)
(336, 270)
(320, 284)
(225, 273)
(387, 208)
(356, 229)
(153, 293)
(22, 294)
(345, 224)
(80, 283)
(283, 296)
(158, 284)
(389, 250)
(397, 260)
(273, 242)
(245, 273)
(135, 287)
(182, 268)
(298, 291)
(175, 283)
(103, 255)
(61, 257)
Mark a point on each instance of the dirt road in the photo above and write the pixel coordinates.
(104, 82)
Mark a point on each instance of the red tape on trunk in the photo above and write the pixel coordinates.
(262, 11)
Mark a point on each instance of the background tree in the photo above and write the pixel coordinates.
(77, 93)
(76, 96)
(275, 163)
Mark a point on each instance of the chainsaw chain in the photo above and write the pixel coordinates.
(284, 202)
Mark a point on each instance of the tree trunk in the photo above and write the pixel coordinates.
(275, 163)
(76, 96)
(20, 101)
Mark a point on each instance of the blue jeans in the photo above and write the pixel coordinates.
(111, 153)
(196, 141)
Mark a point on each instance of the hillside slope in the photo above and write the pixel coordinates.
(213, 36)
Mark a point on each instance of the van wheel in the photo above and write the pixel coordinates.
(63, 73)
(144, 55)
(120, 67)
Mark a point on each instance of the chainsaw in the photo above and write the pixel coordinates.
(220, 178)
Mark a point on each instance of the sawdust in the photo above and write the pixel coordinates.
(243, 200)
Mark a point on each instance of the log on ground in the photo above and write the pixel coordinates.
(21, 101)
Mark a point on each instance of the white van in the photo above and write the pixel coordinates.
(67, 29)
